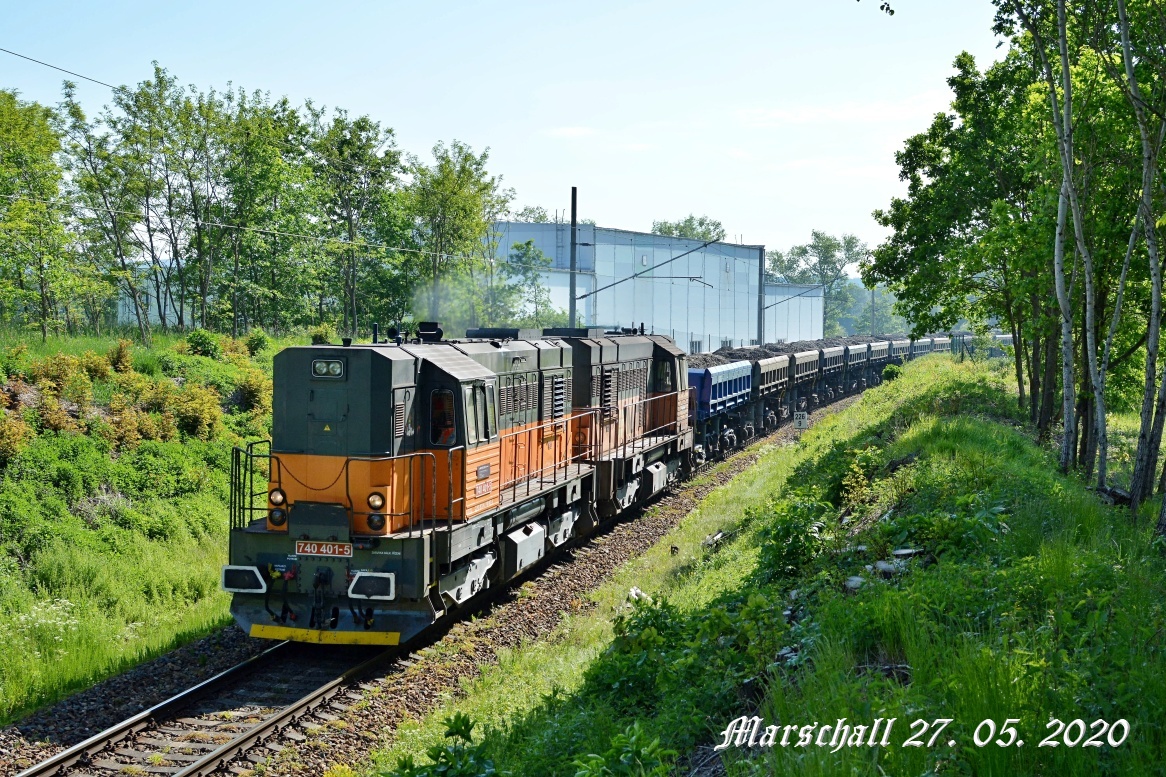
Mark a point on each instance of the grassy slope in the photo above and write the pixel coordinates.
(1041, 603)
(111, 541)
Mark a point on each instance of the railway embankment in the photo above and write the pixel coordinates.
(114, 462)
(915, 556)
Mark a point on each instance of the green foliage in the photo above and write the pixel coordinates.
(692, 227)
(968, 531)
(257, 342)
(633, 754)
(680, 668)
(822, 261)
(891, 372)
(1029, 595)
(112, 523)
(460, 758)
(121, 357)
(321, 335)
(792, 536)
(203, 343)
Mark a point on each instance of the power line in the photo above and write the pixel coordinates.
(643, 272)
(61, 69)
(349, 166)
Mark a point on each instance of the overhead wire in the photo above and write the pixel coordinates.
(346, 165)
(352, 167)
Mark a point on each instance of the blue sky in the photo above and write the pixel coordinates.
(774, 117)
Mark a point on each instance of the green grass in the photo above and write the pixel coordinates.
(1037, 602)
(110, 547)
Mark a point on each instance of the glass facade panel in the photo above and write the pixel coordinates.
(688, 296)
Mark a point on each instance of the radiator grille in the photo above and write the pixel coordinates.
(399, 419)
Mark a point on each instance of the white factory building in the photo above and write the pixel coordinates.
(703, 296)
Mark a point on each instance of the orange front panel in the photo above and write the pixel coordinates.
(338, 480)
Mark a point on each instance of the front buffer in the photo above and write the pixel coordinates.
(319, 585)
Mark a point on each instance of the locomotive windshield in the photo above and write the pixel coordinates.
(442, 428)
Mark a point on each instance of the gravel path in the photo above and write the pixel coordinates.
(409, 688)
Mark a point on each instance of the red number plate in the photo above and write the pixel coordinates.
(484, 488)
(310, 548)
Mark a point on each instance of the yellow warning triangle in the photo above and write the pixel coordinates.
(327, 428)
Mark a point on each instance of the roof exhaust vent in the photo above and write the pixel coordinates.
(429, 332)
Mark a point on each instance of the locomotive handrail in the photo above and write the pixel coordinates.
(413, 508)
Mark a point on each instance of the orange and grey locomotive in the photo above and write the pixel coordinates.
(404, 478)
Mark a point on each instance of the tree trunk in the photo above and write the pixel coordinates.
(1048, 394)
(1148, 442)
(1064, 303)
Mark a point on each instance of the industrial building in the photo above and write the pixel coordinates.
(703, 296)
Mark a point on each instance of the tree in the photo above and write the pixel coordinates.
(33, 243)
(358, 164)
(691, 227)
(107, 182)
(450, 201)
(823, 262)
(533, 214)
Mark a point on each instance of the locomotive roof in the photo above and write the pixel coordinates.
(449, 360)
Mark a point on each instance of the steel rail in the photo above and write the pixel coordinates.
(80, 753)
(259, 733)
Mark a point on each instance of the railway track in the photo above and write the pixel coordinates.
(235, 713)
(247, 711)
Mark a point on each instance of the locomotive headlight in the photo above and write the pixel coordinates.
(277, 497)
(376, 501)
(327, 368)
(277, 517)
(376, 522)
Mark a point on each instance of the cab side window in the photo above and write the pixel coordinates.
(442, 426)
(664, 377)
(473, 415)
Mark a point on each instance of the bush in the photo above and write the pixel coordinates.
(203, 343)
(121, 357)
(16, 362)
(321, 335)
(254, 391)
(15, 435)
(96, 366)
(62, 376)
(53, 417)
(892, 371)
(792, 537)
(257, 342)
(197, 411)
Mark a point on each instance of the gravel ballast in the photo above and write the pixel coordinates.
(408, 688)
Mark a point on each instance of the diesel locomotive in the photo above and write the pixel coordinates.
(403, 478)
